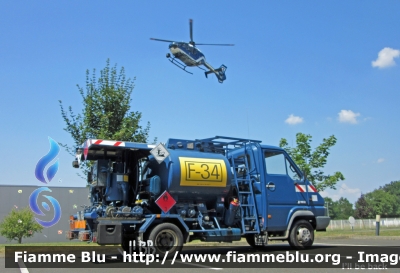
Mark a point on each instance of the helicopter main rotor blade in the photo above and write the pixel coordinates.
(191, 30)
(217, 44)
(160, 40)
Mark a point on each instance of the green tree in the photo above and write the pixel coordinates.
(394, 189)
(381, 203)
(19, 224)
(312, 162)
(343, 209)
(363, 209)
(106, 111)
(384, 201)
(339, 210)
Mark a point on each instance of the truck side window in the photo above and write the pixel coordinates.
(275, 163)
(292, 172)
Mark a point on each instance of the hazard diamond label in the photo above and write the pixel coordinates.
(165, 202)
(160, 153)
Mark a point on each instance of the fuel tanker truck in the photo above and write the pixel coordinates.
(218, 189)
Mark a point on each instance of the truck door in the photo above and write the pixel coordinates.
(281, 176)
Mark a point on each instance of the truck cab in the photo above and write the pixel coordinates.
(289, 207)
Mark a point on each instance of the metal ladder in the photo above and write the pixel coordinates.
(248, 209)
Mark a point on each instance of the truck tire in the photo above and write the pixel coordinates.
(166, 237)
(301, 235)
(251, 241)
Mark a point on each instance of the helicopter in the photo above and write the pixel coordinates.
(188, 55)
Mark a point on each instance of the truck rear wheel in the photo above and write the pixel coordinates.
(166, 237)
(301, 235)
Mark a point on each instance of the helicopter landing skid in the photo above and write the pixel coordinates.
(178, 64)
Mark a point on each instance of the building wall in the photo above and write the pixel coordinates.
(70, 199)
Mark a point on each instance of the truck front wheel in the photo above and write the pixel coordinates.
(301, 235)
(166, 237)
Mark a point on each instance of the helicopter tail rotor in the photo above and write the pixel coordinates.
(219, 72)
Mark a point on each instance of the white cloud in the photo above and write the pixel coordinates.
(386, 58)
(352, 194)
(348, 116)
(344, 189)
(380, 160)
(332, 196)
(293, 120)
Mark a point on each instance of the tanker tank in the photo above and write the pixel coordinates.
(193, 176)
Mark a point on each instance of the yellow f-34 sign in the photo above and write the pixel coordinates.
(202, 172)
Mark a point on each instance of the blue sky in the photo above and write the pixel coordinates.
(317, 67)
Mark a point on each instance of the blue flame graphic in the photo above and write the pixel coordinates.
(35, 208)
(52, 170)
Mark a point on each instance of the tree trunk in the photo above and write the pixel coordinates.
(19, 240)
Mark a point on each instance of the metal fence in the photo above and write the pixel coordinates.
(364, 224)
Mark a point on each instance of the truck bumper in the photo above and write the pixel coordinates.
(322, 222)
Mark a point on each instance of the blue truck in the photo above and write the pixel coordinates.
(218, 189)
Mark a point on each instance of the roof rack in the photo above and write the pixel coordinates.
(222, 144)
(228, 140)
